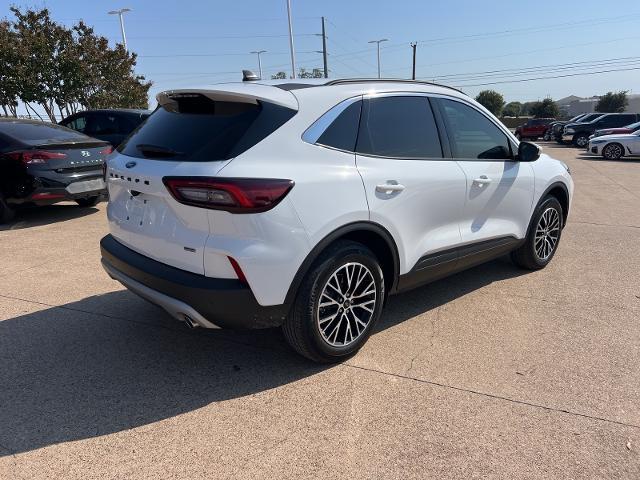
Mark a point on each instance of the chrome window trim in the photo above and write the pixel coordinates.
(317, 128)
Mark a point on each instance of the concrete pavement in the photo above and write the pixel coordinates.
(493, 373)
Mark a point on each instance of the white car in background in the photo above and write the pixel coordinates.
(613, 147)
(304, 205)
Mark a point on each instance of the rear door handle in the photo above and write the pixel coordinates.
(389, 188)
(482, 180)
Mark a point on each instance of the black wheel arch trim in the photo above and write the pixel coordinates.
(553, 186)
(336, 235)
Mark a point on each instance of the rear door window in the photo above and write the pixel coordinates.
(78, 124)
(198, 129)
(398, 127)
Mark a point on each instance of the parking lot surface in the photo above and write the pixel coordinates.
(494, 372)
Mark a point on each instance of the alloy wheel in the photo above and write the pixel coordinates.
(547, 234)
(347, 304)
(582, 141)
(613, 151)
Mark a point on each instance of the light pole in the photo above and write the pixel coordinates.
(379, 42)
(258, 52)
(119, 13)
(293, 54)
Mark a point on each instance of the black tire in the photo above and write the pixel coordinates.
(547, 136)
(581, 140)
(519, 137)
(88, 202)
(6, 212)
(612, 151)
(302, 328)
(526, 256)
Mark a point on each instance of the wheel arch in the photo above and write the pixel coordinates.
(560, 191)
(372, 235)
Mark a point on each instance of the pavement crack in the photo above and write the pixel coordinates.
(494, 396)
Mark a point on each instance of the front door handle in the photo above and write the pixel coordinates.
(389, 188)
(482, 180)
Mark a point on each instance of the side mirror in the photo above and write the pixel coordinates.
(528, 152)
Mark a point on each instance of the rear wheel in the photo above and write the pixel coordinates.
(88, 202)
(613, 151)
(547, 136)
(6, 212)
(581, 140)
(338, 304)
(543, 236)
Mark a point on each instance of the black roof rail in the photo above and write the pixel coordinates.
(343, 81)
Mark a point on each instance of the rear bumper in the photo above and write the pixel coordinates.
(209, 302)
(47, 191)
(567, 137)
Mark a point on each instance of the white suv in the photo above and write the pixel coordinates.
(304, 205)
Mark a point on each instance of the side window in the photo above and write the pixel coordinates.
(105, 124)
(473, 135)
(79, 123)
(398, 127)
(343, 131)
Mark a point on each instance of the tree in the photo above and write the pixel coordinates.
(10, 61)
(612, 102)
(491, 100)
(279, 76)
(512, 109)
(545, 109)
(303, 73)
(526, 108)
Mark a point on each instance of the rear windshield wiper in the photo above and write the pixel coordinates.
(157, 151)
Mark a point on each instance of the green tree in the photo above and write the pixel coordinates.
(612, 102)
(315, 73)
(512, 109)
(10, 65)
(491, 100)
(279, 76)
(545, 109)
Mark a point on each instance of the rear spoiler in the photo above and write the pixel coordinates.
(235, 92)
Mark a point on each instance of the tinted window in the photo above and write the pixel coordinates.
(343, 131)
(202, 130)
(103, 124)
(79, 123)
(400, 127)
(473, 135)
(38, 133)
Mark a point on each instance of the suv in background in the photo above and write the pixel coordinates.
(558, 127)
(304, 205)
(110, 125)
(534, 128)
(578, 133)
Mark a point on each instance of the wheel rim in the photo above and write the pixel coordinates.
(547, 233)
(613, 151)
(347, 304)
(581, 141)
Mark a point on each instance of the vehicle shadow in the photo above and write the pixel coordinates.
(112, 362)
(598, 158)
(29, 217)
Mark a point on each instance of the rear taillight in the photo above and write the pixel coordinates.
(106, 150)
(31, 157)
(237, 195)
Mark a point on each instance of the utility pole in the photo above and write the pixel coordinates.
(293, 54)
(379, 42)
(119, 13)
(258, 52)
(324, 50)
(413, 74)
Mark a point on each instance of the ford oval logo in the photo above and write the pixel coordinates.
(130, 164)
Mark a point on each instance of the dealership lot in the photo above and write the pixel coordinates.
(493, 372)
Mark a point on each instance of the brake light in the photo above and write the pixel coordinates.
(238, 270)
(106, 150)
(32, 157)
(236, 195)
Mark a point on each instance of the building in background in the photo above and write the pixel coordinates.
(572, 105)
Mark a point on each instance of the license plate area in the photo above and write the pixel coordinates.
(86, 186)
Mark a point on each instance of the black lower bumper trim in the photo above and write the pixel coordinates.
(228, 303)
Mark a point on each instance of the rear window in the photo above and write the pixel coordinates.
(40, 133)
(198, 129)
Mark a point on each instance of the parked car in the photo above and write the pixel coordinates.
(549, 132)
(634, 127)
(578, 133)
(558, 128)
(42, 163)
(110, 125)
(534, 128)
(613, 147)
(304, 205)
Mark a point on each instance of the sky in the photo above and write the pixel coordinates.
(469, 44)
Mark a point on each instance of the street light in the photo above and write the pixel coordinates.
(258, 52)
(379, 42)
(119, 13)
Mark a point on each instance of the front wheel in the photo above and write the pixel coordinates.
(543, 236)
(613, 151)
(547, 136)
(581, 141)
(88, 202)
(338, 304)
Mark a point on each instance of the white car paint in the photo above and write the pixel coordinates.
(440, 207)
(630, 143)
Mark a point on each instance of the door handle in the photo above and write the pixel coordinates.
(389, 188)
(482, 180)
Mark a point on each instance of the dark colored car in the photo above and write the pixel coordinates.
(558, 127)
(43, 163)
(579, 133)
(632, 128)
(534, 128)
(112, 125)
